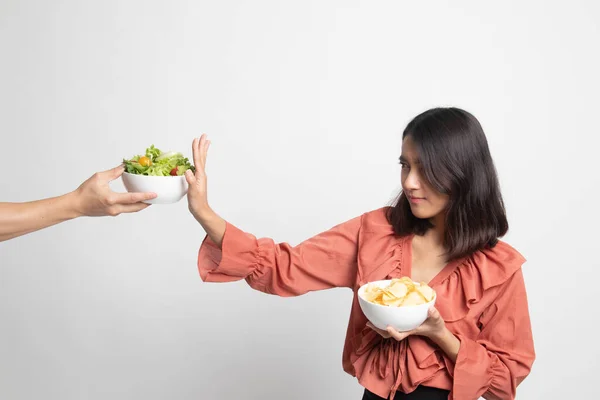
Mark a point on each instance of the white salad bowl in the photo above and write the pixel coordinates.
(169, 189)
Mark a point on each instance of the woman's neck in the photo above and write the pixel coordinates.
(435, 235)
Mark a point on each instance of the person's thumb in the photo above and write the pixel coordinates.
(433, 312)
(112, 174)
(189, 177)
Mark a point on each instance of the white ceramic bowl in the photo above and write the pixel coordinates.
(403, 318)
(169, 189)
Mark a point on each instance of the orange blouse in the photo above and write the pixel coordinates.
(482, 298)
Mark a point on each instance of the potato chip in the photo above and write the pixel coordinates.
(414, 298)
(426, 291)
(388, 297)
(398, 289)
(395, 303)
(372, 293)
(399, 292)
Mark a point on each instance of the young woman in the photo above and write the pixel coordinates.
(443, 230)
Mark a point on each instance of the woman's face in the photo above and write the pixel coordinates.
(425, 202)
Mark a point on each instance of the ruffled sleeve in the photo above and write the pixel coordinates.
(324, 261)
(500, 357)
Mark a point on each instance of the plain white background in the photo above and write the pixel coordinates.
(305, 103)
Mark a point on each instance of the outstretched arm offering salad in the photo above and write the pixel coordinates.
(158, 163)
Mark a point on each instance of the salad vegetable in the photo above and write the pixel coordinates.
(158, 163)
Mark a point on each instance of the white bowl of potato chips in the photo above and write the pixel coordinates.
(399, 303)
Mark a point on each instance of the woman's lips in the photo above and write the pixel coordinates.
(416, 200)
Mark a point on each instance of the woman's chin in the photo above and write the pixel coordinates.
(422, 214)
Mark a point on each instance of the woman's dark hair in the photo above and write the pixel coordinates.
(456, 160)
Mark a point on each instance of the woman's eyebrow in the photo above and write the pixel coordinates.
(403, 159)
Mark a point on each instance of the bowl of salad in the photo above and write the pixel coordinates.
(158, 172)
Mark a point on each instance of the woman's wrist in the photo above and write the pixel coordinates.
(446, 341)
(205, 214)
(439, 335)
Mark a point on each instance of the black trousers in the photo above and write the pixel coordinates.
(420, 393)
